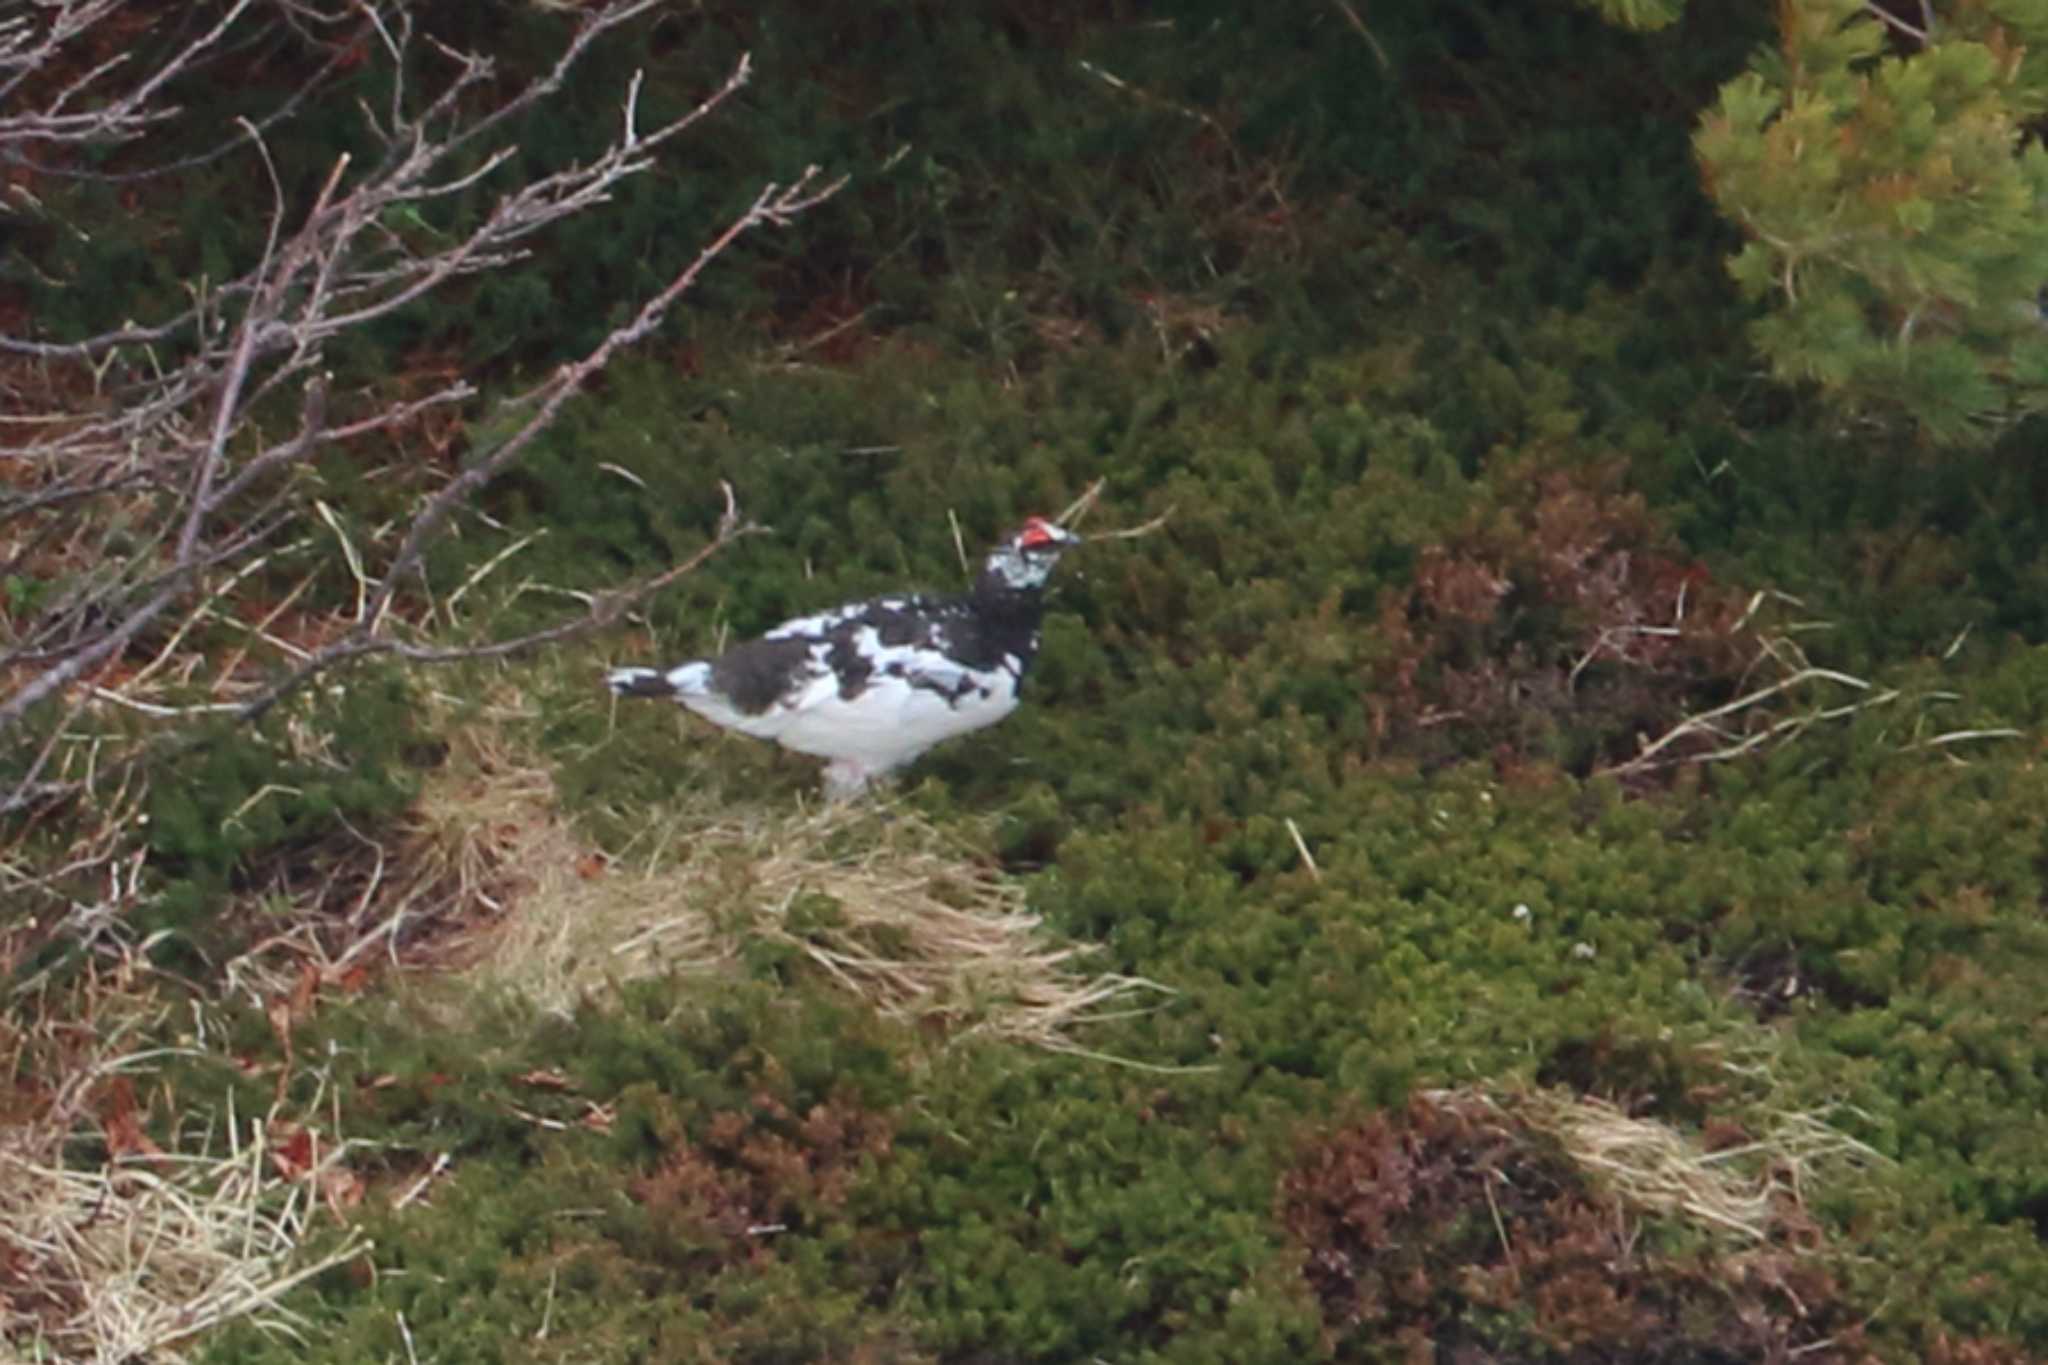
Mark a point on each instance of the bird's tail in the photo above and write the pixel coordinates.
(640, 682)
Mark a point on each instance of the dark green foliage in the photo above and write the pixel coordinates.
(236, 806)
(1433, 361)
(648, 1231)
(1643, 14)
(751, 1181)
(1063, 1207)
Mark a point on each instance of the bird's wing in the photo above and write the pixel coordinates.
(935, 700)
(818, 625)
(810, 685)
(947, 680)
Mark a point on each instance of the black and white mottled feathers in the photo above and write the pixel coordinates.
(871, 685)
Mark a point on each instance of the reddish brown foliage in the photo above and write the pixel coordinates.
(828, 329)
(759, 1173)
(121, 1121)
(1451, 1232)
(1561, 622)
(1946, 1350)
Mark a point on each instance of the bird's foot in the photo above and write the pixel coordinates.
(846, 780)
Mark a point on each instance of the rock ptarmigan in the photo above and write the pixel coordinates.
(871, 685)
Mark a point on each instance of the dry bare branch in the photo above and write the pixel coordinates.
(94, 106)
(148, 470)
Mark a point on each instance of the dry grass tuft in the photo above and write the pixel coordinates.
(482, 831)
(1750, 1188)
(487, 875)
(112, 1247)
(876, 898)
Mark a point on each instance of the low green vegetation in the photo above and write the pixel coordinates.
(1538, 857)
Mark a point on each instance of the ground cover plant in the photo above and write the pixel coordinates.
(1539, 857)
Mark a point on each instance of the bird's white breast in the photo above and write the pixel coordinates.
(891, 720)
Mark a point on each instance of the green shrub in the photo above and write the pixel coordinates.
(245, 804)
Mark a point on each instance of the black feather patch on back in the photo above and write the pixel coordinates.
(992, 627)
(755, 675)
(641, 682)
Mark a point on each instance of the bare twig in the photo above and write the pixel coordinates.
(167, 460)
(1081, 506)
(91, 108)
(1133, 532)
(1895, 23)
(1710, 725)
(1358, 25)
(1308, 860)
(959, 545)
